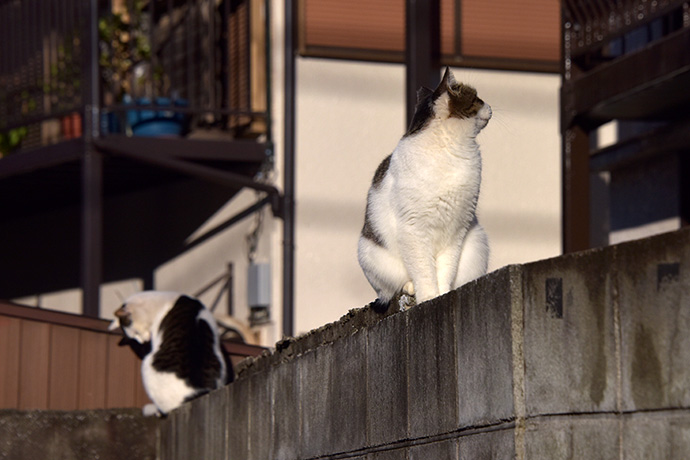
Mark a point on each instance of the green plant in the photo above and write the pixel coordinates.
(63, 85)
(11, 140)
(125, 52)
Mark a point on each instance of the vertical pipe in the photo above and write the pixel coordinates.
(289, 172)
(92, 231)
(190, 25)
(212, 87)
(225, 61)
(92, 172)
(230, 284)
(248, 55)
(170, 57)
(422, 48)
(269, 85)
(154, 52)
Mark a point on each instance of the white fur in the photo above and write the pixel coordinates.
(424, 211)
(165, 389)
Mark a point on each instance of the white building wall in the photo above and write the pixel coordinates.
(351, 115)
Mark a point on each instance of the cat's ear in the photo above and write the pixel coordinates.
(423, 93)
(448, 81)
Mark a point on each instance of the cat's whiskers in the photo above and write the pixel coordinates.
(498, 119)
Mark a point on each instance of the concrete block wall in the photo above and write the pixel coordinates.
(585, 356)
(113, 434)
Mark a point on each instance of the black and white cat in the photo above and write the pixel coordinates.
(177, 338)
(421, 236)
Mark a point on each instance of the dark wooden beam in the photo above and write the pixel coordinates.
(184, 166)
(92, 232)
(189, 149)
(422, 49)
(42, 158)
(575, 170)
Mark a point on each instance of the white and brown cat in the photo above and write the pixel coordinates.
(421, 236)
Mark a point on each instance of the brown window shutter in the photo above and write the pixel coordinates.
(356, 24)
(492, 33)
(513, 29)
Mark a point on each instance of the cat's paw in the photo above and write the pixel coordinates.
(406, 301)
(408, 289)
(150, 410)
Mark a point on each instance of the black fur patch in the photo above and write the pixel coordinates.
(368, 231)
(139, 349)
(379, 306)
(423, 112)
(187, 346)
(229, 370)
(381, 171)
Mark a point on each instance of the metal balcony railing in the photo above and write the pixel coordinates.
(196, 64)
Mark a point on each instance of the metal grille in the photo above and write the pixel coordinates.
(204, 53)
(591, 23)
(206, 56)
(41, 47)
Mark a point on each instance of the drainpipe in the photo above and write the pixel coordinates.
(289, 172)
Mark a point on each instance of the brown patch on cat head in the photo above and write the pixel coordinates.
(462, 99)
(462, 102)
(137, 314)
(124, 316)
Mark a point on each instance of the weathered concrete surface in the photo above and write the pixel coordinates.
(446, 449)
(654, 302)
(432, 398)
(594, 437)
(491, 445)
(581, 356)
(387, 393)
(569, 335)
(483, 342)
(656, 435)
(78, 435)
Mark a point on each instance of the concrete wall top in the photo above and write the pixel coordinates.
(581, 356)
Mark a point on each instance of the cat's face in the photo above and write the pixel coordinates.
(450, 99)
(137, 314)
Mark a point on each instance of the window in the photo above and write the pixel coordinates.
(503, 34)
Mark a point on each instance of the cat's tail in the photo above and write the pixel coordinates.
(380, 306)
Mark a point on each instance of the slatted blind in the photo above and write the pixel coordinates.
(511, 34)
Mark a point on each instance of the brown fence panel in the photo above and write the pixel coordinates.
(9, 361)
(92, 368)
(34, 365)
(122, 378)
(63, 392)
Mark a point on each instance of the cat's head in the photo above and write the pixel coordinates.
(450, 99)
(137, 314)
